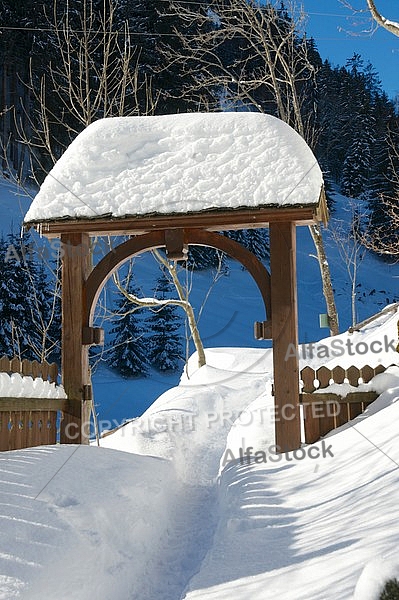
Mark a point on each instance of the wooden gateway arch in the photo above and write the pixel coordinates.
(160, 181)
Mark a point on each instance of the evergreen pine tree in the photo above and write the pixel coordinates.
(46, 313)
(128, 354)
(54, 330)
(332, 119)
(254, 240)
(201, 258)
(15, 312)
(165, 350)
(359, 130)
(5, 337)
(357, 164)
(383, 182)
(30, 314)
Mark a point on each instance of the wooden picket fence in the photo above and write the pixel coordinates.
(34, 368)
(324, 411)
(26, 422)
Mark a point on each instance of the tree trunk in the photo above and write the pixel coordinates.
(192, 322)
(196, 336)
(328, 292)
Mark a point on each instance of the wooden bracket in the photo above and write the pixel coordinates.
(176, 249)
(87, 393)
(263, 330)
(93, 336)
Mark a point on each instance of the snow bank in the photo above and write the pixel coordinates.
(80, 522)
(373, 345)
(17, 386)
(374, 575)
(179, 164)
(189, 424)
(305, 528)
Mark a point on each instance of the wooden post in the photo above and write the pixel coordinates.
(285, 335)
(76, 265)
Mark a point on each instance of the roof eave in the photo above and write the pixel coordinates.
(211, 220)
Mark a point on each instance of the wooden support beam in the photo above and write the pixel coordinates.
(156, 239)
(176, 249)
(212, 220)
(76, 265)
(33, 404)
(285, 335)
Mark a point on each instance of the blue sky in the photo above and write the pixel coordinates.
(338, 34)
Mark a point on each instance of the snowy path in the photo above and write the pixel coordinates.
(194, 516)
(190, 524)
(188, 538)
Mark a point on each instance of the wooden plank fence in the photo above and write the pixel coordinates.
(324, 411)
(45, 370)
(27, 422)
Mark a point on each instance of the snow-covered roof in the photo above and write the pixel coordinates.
(178, 164)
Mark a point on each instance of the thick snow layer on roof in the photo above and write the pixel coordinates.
(177, 164)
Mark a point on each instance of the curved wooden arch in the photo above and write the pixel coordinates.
(156, 239)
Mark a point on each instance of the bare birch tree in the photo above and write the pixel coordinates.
(94, 73)
(391, 26)
(270, 62)
(351, 250)
(182, 302)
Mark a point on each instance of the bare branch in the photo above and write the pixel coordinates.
(270, 61)
(391, 26)
(182, 302)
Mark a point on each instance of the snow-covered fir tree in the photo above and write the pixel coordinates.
(15, 293)
(166, 350)
(46, 312)
(30, 306)
(254, 240)
(129, 346)
(356, 170)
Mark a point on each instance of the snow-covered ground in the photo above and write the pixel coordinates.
(166, 508)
